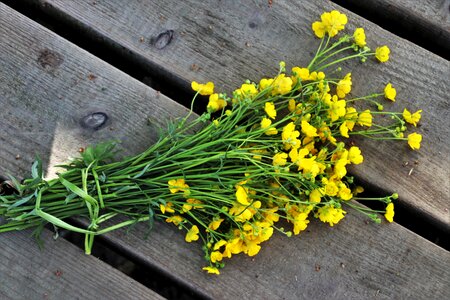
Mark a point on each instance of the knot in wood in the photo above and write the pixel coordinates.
(94, 120)
(162, 40)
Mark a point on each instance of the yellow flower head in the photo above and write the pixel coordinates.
(269, 108)
(331, 23)
(389, 215)
(216, 256)
(265, 124)
(308, 129)
(167, 208)
(302, 73)
(344, 86)
(315, 196)
(382, 53)
(192, 234)
(300, 222)
(211, 270)
(412, 118)
(365, 118)
(215, 103)
(390, 92)
(360, 37)
(343, 129)
(203, 89)
(414, 140)
(331, 215)
(282, 85)
(247, 89)
(215, 224)
(176, 220)
(177, 185)
(279, 159)
(354, 155)
(242, 195)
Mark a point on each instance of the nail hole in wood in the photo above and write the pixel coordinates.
(94, 120)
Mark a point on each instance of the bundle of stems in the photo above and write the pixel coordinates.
(273, 150)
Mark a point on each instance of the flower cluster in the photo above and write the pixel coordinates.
(290, 137)
(274, 151)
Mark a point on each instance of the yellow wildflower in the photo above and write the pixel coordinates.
(343, 129)
(265, 83)
(177, 185)
(271, 216)
(203, 89)
(242, 195)
(354, 155)
(351, 115)
(176, 220)
(330, 188)
(215, 103)
(331, 215)
(382, 53)
(344, 192)
(247, 90)
(302, 73)
(308, 129)
(340, 169)
(412, 118)
(279, 159)
(390, 92)
(211, 270)
(365, 118)
(192, 234)
(282, 85)
(167, 208)
(269, 108)
(315, 196)
(191, 203)
(331, 23)
(389, 215)
(265, 124)
(344, 86)
(290, 136)
(215, 224)
(337, 108)
(292, 105)
(414, 140)
(216, 256)
(300, 222)
(360, 37)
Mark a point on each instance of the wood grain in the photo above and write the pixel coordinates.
(352, 260)
(428, 20)
(248, 43)
(59, 271)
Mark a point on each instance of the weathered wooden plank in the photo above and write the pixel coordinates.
(211, 43)
(352, 260)
(59, 271)
(428, 20)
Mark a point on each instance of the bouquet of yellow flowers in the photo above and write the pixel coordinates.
(273, 152)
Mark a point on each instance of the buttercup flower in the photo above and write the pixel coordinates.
(360, 37)
(412, 118)
(331, 23)
(389, 215)
(414, 140)
(203, 89)
(390, 92)
(382, 53)
(192, 234)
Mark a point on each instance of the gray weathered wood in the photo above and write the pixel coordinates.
(351, 260)
(229, 41)
(59, 271)
(427, 19)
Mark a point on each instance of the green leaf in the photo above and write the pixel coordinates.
(21, 201)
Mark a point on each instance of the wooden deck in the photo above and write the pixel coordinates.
(48, 83)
